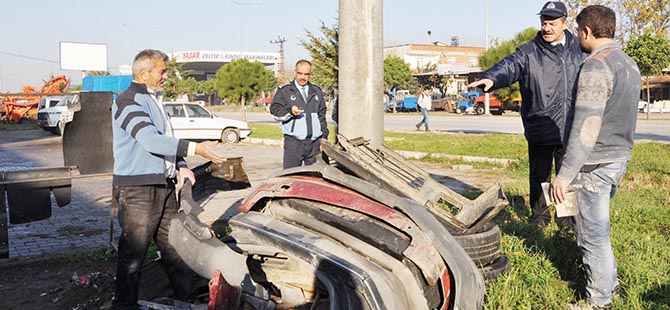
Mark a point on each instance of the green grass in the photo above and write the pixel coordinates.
(233, 108)
(265, 131)
(546, 263)
(486, 145)
(268, 131)
(12, 126)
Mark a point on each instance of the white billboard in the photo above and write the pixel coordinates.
(452, 68)
(83, 56)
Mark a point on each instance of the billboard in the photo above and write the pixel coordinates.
(83, 56)
(452, 68)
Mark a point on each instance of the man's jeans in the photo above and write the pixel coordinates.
(423, 121)
(592, 228)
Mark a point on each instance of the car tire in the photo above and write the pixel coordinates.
(480, 109)
(483, 247)
(230, 135)
(499, 266)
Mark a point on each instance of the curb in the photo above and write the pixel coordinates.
(412, 154)
(406, 154)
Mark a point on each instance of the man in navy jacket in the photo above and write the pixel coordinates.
(546, 69)
(300, 106)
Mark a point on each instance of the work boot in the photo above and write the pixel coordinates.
(427, 130)
(417, 127)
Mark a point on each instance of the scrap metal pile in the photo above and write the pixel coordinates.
(370, 231)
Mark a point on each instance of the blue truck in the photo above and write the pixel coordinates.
(406, 102)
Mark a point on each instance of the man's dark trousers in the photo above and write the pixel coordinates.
(298, 151)
(145, 213)
(541, 158)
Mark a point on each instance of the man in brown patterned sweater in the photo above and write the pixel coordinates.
(599, 146)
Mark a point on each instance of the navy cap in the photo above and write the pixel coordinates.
(554, 9)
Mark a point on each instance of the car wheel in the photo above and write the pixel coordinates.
(483, 246)
(480, 109)
(230, 135)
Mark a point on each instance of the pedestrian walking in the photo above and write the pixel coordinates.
(425, 104)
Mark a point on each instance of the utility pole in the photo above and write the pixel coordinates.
(361, 74)
(280, 41)
(487, 99)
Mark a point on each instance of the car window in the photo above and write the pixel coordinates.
(196, 111)
(174, 110)
(65, 101)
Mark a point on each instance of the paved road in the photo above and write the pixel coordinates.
(655, 129)
(84, 223)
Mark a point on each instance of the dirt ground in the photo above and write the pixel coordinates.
(56, 284)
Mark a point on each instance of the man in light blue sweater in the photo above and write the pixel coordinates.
(148, 163)
(599, 147)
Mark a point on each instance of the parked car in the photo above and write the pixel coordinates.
(191, 121)
(54, 112)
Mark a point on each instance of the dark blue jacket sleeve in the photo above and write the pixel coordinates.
(509, 70)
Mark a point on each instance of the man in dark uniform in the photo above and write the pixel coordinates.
(300, 106)
(546, 69)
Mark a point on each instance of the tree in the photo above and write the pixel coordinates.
(173, 87)
(495, 54)
(634, 17)
(98, 73)
(642, 16)
(397, 72)
(207, 87)
(241, 80)
(324, 51)
(651, 52)
(188, 86)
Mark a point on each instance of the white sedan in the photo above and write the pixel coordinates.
(191, 121)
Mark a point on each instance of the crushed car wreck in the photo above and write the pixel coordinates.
(319, 238)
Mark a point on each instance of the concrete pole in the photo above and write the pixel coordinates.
(361, 67)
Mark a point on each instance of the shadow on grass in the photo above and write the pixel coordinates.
(456, 185)
(557, 244)
(658, 297)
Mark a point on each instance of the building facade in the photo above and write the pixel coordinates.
(454, 65)
(202, 65)
(420, 56)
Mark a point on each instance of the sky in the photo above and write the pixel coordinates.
(31, 36)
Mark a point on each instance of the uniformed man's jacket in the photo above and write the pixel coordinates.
(546, 76)
(311, 124)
